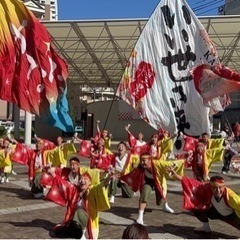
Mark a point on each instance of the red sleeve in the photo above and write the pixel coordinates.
(189, 143)
(20, 154)
(134, 179)
(85, 148)
(131, 140)
(72, 202)
(196, 195)
(31, 163)
(48, 145)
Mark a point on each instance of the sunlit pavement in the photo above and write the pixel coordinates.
(21, 216)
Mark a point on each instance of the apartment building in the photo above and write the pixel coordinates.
(231, 7)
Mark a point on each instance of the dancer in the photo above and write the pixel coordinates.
(123, 163)
(135, 144)
(210, 143)
(5, 160)
(57, 156)
(203, 159)
(105, 135)
(101, 156)
(151, 175)
(210, 200)
(71, 173)
(37, 163)
(83, 205)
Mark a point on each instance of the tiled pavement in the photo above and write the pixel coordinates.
(23, 217)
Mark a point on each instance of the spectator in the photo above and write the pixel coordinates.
(135, 231)
(236, 130)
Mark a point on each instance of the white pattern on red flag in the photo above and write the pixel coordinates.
(32, 75)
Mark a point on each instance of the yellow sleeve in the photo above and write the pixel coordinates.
(216, 143)
(233, 200)
(167, 145)
(94, 173)
(214, 155)
(50, 157)
(2, 157)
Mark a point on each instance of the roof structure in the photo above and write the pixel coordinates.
(97, 50)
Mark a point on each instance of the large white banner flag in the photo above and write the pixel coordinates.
(157, 81)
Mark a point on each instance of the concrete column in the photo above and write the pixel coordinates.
(28, 128)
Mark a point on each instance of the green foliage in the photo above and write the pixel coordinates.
(3, 131)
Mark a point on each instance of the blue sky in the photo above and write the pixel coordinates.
(114, 9)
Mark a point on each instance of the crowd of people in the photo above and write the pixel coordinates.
(56, 174)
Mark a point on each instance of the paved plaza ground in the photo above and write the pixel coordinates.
(23, 217)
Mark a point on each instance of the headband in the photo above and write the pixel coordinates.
(217, 182)
(86, 174)
(75, 162)
(145, 155)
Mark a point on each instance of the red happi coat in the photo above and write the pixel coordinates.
(198, 195)
(94, 199)
(135, 179)
(85, 148)
(204, 163)
(32, 159)
(103, 159)
(132, 141)
(47, 177)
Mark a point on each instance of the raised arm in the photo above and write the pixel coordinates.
(170, 170)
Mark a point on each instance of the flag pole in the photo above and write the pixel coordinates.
(28, 128)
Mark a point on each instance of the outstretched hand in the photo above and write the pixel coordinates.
(171, 172)
(127, 127)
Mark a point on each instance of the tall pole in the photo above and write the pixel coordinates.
(16, 118)
(28, 128)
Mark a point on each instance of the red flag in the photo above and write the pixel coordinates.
(48, 145)
(20, 154)
(189, 143)
(197, 195)
(32, 75)
(85, 148)
(214, 81)
(47, 179)
(133, 179)
(61, 191)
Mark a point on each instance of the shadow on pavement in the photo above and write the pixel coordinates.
(21, 193)
(40, 223)
(125, 212)
(188, 232)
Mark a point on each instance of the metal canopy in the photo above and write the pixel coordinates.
(97, 50)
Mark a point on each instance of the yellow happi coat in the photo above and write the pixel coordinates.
(5, 159)
(215, 143)
(58, 156)
(160, 174)
(135, 179)
(233, 200)
(131, 163)
(94, 174)
(96, 200)
(213, 155)
(166, 145)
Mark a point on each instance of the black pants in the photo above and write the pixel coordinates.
(227, 160)
(212, 213)
(72, 230)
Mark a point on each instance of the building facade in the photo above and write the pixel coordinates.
(231, 7)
